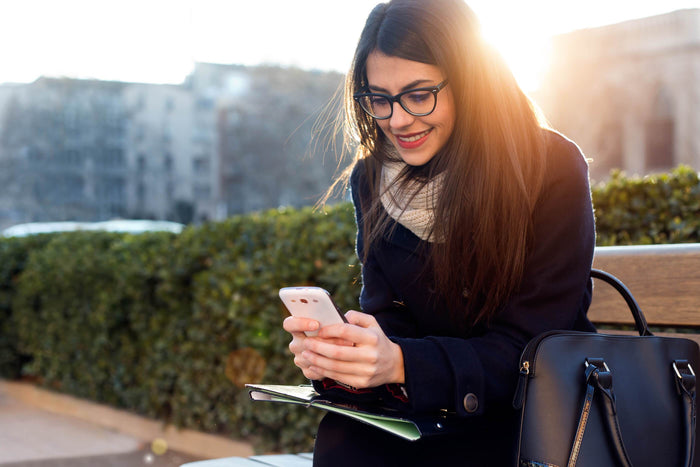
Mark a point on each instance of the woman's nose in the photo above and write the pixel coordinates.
(399, 117)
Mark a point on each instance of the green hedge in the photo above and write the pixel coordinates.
(171, 326)
(13, 258)
(663, 208)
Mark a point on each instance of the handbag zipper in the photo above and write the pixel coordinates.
(527, 364)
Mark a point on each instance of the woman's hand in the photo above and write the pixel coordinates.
(297, 328)
(371, 359)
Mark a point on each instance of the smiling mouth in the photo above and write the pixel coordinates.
(413, 138)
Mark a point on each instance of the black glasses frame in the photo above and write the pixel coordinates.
(397, 98)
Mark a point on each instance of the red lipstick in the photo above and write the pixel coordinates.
(413, 140)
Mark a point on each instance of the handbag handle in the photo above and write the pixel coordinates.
(639, 319)
(599, 377)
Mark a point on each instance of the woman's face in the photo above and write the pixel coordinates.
(417, 139)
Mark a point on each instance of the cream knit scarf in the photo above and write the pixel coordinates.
(412, 207)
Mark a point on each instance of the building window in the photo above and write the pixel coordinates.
(659, 143)
(110, 196)
(204, 103)
(139, 132)
(169, 190)
(141, 163)
(76, 189)
(610, 147)
(116, 157)
(659, 134)
(201, 165)
(141, 193)
(202, 192)
(168, 162)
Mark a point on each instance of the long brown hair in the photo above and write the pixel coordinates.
(493, 163)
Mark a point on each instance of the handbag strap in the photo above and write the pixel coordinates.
(599, 377)
(685, 385)
(639, 319)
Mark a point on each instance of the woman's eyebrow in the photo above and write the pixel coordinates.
(411, 85)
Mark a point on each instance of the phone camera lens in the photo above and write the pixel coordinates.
(303, 300)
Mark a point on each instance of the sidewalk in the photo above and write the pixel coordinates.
(30, 437)
(39, 428)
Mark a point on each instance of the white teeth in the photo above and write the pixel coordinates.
(414, 138)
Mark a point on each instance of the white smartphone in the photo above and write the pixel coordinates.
(312, 302)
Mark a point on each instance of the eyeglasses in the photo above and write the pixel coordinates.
(418, 102)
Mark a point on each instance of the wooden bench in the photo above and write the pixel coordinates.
(664, 279)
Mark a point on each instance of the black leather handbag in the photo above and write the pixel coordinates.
(599, 400)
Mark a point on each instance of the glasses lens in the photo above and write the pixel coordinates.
(419, 102)
(376, 106)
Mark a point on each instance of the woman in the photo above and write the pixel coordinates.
(475, 233)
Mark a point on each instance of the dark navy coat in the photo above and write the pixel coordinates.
(474, 372)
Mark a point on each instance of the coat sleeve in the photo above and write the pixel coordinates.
(471, 375)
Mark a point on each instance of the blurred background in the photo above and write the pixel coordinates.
(191, 111)
(152, 115)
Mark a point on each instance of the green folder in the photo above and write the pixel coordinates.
(407, 426)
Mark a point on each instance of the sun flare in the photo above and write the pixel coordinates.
(525, 52)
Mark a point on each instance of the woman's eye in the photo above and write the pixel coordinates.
(418, 97)
(378, 101)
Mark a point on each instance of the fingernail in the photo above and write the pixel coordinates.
(313, 326)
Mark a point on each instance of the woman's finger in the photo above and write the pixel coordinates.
(349, 366)
(356, 334)
(311, 374)
(361, 319)
(296, 346)
(294, 324)
(332, 351)
(350, 379)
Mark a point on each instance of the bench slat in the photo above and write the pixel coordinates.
(284, 460)
(275, 460)
(225, 462)
(665, 280)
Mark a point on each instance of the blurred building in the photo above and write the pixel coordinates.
(213, 86)
(267, 156)
(629, 93)
(62, 147)
(88, 150)
(159, 153)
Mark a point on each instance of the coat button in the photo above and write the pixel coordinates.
(471, 403)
